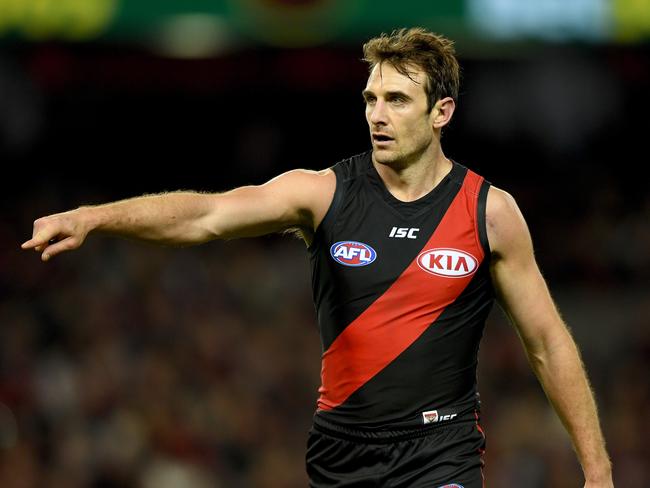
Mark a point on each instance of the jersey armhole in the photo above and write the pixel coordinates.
(481, 219)
(330, 216)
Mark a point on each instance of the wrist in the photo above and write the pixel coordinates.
(89, 219)
(600, 474)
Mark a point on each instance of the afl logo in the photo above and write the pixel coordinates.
(450, 263)
(352, 253)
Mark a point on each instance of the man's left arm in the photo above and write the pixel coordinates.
(552, 353)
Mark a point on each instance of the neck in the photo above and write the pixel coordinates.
(408, 182)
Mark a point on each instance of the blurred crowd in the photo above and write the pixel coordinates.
(157, 368)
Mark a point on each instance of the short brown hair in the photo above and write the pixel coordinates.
(432, 53)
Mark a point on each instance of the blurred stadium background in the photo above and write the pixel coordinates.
(127, 365)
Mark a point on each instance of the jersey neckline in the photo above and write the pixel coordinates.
(414, 208)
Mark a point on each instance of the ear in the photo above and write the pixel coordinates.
(442, 112)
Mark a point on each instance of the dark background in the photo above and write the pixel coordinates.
(124, 364)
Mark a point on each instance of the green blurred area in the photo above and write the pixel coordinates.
(310, 22)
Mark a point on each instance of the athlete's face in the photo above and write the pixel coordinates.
(401, 127)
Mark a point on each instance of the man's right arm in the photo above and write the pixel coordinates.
(298, 198)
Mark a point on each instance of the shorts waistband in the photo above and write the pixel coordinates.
(391, 433)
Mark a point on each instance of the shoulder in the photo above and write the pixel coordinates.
(304, 184)
(311, 192)
(306, 194)
(506, 226)
(500, 204)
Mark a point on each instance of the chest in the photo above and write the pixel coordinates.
(372, 243)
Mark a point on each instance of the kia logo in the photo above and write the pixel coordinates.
(450, 263)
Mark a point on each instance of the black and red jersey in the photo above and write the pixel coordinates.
(402, 291)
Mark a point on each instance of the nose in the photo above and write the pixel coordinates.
(378, 115)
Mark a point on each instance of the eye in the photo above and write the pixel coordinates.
(370, 100)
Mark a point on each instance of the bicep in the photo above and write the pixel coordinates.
(293, 199)
(519, 284)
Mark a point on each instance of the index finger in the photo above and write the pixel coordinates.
(38, 240)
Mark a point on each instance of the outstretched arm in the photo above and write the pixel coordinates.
(298, 198)
(553, 355)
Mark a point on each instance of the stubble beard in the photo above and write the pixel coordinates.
(397, 160)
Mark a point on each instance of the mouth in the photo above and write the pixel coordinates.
(379, 138)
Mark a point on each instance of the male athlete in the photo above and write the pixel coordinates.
(408, 250)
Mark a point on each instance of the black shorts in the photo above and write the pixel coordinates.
(444, 456)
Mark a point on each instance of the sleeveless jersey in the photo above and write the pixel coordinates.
(402, 291)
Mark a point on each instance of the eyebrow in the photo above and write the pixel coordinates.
(389, 94)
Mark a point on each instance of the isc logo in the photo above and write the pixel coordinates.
(352, 253)
(451, 263)
(402, 232)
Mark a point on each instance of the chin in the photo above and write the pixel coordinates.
(387, 158)
(384, 155)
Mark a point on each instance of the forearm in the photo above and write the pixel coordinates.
(177, 218)
(561, 373)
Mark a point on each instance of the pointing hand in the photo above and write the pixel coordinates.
(57, 233)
